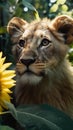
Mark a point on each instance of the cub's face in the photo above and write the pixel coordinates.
(38, 49)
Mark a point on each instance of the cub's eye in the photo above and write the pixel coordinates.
(45, 42)
(21, 43)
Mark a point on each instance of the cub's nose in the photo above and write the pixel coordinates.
(27, 62)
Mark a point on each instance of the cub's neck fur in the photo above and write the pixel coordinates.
(55, 89)
(43, 73)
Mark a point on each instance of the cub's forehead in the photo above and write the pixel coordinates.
(36, 33)
(38, 24)
(36, 28)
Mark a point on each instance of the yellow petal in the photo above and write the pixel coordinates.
(5, 66)
(2, 60)
(11, 81)
(7, 79)
(5, 96)
(7, 85)
(6, 82)
(7, 90)
(0, 55)
(8, 73)
(2, 103)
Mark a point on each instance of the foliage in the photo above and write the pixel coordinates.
(5, 128)
(70, 56)
(40, 117)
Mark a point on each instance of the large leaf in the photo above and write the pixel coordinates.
(64, 7)
(30, 6)
(12, 109)
(41, 117)
(54, 8)
(5, 128)
(61, 2)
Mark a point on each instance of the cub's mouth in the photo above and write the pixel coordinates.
(33, 69)
(28, 75)
(29, 72)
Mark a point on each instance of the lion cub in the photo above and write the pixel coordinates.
(43, 72)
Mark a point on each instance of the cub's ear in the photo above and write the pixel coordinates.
(15, 28)
(64, 24)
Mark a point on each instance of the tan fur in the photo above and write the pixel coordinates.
(50, 79)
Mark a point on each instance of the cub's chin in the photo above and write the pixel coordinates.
(29, 78)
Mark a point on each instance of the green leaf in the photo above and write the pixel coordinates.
(70, 56)
(54, 8)
(28, 5)
(64, 7)
(61, 1)
(12, 109)
(36, 15)
(5, 128)
(31, 7)
(42, 117)
(12, 2)
(35, 120)
(2, 30)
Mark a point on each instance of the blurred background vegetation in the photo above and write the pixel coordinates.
(27, 10)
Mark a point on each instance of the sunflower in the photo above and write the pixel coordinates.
(6, 82)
